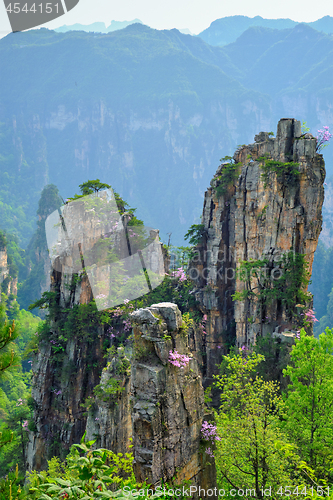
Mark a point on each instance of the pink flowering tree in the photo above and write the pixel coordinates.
(323, 138)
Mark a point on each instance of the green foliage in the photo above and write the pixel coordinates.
(16, 329)
(229, 174)
(249, 453)
(87, 473)
(3, 240)
(287, 173)
(8, 334)
(208, 395)
(108, 390)
(304, 128)
(11, 486)
(181, 256)
(309, 418)
(276, 358)
(195, 234)
(188, 322)
(90, 187)
(286, 282)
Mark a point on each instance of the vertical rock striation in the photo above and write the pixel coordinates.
(168, 401)
(256, 217)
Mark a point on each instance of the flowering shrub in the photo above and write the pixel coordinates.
(209, 433)
(180, 273)
(310, 316)
(179, 360)
(323, 136)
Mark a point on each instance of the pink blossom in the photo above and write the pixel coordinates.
(180, 273)
(311, 316)
(179, 360)
(209, 433)
(323, 136)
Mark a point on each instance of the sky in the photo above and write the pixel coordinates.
(195, 15)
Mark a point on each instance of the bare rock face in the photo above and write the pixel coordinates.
(256, 216)
(168, 401)
(109, 421)
(4, 271)
(62, 383)
(9, 283)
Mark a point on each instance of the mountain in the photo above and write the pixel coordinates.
(273, 61)
(227, 29)
(149, 112)
(97, 27)
(152, 117)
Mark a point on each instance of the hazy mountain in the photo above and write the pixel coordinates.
(97, 27)
(227, 29)
(149, 112)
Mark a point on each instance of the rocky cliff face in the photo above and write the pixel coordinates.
(263, 213)
(114, 394)
(157, 405)
(8, 283)
(168, 402)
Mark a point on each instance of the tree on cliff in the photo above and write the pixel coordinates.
(90, 187)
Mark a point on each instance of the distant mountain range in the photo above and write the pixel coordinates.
(97, 27)
(149, 112)
(101, 27)
(228, 29)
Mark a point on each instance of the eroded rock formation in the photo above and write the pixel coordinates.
(256, 217)
(258, 212)
(157, 405)
(168, 401)
(8, 283)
